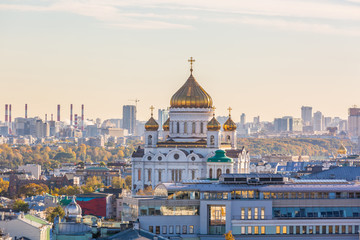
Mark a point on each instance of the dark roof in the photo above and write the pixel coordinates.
(140, 152)
(347, 173)
(233, 153)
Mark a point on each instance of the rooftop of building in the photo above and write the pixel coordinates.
(347, 173)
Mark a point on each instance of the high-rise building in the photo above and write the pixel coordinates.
(306, 115)
(319, 121)
(257, 120)
(129, 118)
(354, 121)
(242, 119)
(284, 124)
(163, 115)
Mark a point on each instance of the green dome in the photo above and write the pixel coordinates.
(219, 157)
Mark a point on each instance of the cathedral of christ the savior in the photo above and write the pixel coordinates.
(192, 146)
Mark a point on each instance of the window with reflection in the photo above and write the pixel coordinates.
(217, 215)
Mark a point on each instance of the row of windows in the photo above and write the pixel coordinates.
(184, 229)
(252, 213)
(316, 212)
(176, 127)
(169, 211)
(324, 229)
(310, 195)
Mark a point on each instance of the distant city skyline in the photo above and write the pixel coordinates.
(260, 57)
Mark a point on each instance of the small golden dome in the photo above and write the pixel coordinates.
(166, 125)
(191, 95)
(342, 150)
(151, 124)
(229, 125)
(213, 125)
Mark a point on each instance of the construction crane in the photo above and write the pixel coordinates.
(136, 101)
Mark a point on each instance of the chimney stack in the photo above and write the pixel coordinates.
(10, 119)
(26, 115)
(76, 121)
(71, 114)
(52, 115)
(45, 117)
(82, 117)
(6, 114)
(58, 113)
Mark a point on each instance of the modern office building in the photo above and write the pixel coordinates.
(284, 124)
(129, 118)
(163, 115)
(250, 205)
(354, 121)
(306, 115)
(319, 123)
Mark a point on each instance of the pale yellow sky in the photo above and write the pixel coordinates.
(264, 58)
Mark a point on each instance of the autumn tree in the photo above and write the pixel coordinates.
(128, 181)
(4, 185)
(20, 206)
(33, 189)
(94, 182)
(229, 236)
(118, 182)
(52, 212)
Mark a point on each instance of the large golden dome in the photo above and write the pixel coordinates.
(191, 95)
(213, 125)
(166, 125)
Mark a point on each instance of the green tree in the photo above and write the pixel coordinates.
(118, 182)
(20, 206)
(52, 212)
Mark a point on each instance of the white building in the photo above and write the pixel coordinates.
(34, 169)
(190, 138)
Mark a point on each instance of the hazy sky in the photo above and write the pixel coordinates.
(261, 57)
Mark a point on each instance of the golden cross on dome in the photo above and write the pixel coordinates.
(152, 110)
(191, 60)
(229, 110)
(213, 108)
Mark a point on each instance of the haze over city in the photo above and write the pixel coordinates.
(264, 58)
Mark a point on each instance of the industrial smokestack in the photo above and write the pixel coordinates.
(6, 114)
(45, 117)
(71, 114)
(76, 121)
(26, 111)
(82, 117)
(52, 119)
(58, 113)
(10, 119)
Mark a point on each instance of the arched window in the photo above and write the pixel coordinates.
(218, 172)
(212, 140)
(210, 173)
(149, 140)
(227, 171)
(201, 127)
(193, 127)
(178, 127)
(185, 127)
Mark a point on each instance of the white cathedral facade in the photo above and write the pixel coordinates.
(192, 145)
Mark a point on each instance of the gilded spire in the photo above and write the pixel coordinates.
(151, 124)
(213, 124)
(191, 61)
(229, 125)
(191, 94)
